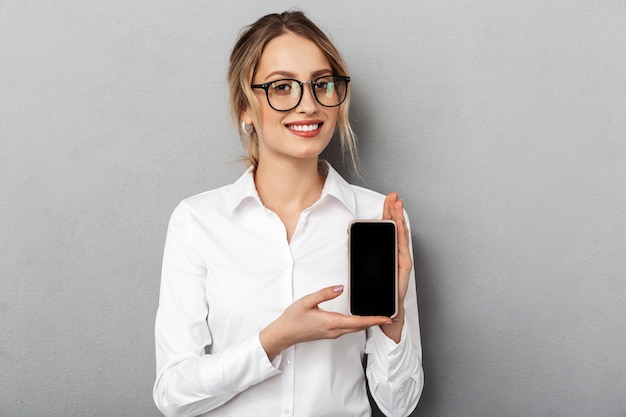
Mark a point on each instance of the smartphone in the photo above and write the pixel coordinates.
(373, 264)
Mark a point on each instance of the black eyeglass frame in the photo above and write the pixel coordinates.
(266, 86)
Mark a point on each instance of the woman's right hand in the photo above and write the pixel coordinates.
(304, 321)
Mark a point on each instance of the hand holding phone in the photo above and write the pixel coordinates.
(373, 263)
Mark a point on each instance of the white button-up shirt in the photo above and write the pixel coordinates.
(229, 271)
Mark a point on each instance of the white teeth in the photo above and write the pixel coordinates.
(304, 128)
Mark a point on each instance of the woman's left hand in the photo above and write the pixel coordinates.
(393, 209)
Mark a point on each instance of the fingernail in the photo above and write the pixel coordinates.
(338, 288)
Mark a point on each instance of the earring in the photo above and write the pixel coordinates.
(248, 128)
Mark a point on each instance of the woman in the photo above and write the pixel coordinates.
(252, 320)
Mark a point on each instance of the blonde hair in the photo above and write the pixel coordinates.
(245, 57)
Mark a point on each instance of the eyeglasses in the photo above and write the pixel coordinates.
(285, 95)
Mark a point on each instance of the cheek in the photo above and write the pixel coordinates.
(332, 118)
(268, 126)
(270, 118)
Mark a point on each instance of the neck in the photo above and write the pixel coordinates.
(290, 186)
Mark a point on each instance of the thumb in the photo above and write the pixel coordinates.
(322, 295)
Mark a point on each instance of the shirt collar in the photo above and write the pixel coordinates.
(243, 189)
(334, 186)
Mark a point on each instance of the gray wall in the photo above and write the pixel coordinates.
(501, 123)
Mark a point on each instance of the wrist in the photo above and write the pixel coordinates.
(271, 341)
(399, 318)
(393, 330)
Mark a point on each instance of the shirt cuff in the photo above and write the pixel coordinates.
(237, 368)
(391, 362)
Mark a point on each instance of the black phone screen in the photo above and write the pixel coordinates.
(373, 268)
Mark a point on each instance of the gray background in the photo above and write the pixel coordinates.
(501, 123)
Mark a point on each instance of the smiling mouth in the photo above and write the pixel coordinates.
(304, 128)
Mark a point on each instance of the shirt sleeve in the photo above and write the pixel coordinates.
(188, 381)
(394, 371)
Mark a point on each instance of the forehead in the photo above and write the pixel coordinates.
(291, 54)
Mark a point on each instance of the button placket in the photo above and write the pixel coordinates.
(288, 375)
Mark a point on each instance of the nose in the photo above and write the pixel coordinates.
(308, 104)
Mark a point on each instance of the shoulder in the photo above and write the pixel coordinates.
(363, 202)
(365, 194)
(219, 201)
(368, 203)
(202, 205)
(207, 198)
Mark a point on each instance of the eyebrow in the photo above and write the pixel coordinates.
(288, 74)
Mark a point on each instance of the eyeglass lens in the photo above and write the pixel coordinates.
(285, 94)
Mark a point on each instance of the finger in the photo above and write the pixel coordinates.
(354, 323)
(388, 205)
(397, 211)
(325, 294)
(403, 232)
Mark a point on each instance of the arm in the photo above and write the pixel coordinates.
(394, 367)
(304, 321)
(188, 381)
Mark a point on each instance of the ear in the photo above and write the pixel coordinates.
(246, 116)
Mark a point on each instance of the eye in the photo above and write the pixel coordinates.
(325, 86)
(282, 87)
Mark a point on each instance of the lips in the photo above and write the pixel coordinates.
(304, 128)
(308, 128)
